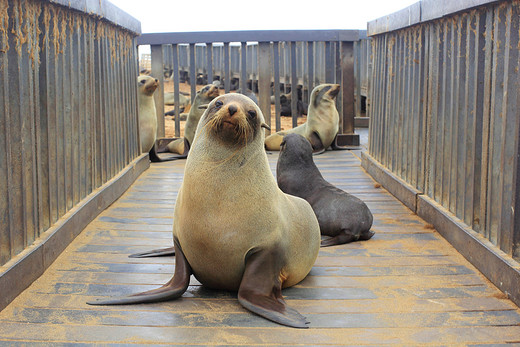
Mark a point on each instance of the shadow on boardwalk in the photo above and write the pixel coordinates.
(405, 286)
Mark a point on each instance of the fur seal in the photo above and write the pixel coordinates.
(184, 99)
(342, 216)
(203, 97)
(147, 115)
(257, 239)
(146, 86)
(322, 125)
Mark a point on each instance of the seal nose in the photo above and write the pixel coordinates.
(232, 109)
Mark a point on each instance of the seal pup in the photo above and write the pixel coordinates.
(322, 125)
(203, 97)
(257, 239)
(146, 86)
(342, 216)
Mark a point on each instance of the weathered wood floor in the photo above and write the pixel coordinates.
(406, 286)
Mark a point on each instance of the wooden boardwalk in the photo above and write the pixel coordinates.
(406, 286)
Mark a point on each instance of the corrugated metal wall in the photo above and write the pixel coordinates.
(68, 114)
(444, 113)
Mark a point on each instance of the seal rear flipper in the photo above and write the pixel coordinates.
(154, 157)
(317, 145)
(154, 253)
(261, 289)
(344, 236)
(366, 235)
(171, 290)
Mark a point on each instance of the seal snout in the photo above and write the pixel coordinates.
(232, 109)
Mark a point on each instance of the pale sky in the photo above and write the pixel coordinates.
(206, 15)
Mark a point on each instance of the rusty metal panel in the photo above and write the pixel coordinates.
(58, 70)
(444, 113)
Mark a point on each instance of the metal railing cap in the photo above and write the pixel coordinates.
(250, 36)
(104, 9)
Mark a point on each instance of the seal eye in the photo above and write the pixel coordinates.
(219, 104)
(252, 114)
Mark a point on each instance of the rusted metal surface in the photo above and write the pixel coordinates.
(405, 286)
(304, 58)
(444, 109)
(68, 107)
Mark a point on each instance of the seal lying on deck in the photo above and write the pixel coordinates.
(257, 239)
(322, 125)
(146, 86)
(342, 216)
(203, 97)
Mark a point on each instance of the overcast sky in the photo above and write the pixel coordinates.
(206, 15)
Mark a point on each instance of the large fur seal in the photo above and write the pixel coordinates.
(203, 97)
(146, 86)
(322, 125)
(256, 239)
(342, 216)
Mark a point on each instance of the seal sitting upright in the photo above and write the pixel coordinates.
(322, 125)
(233, 228)
(146, 86)
(342, 216)
(203, 97)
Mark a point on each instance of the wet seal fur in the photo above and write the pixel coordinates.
(257, 239)
(203, 97)
(322, 125)
(342, 216)
(146, 86)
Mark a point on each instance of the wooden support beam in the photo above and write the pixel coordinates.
(264, 79)
(158, 72)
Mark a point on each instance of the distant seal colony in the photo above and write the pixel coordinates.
(257, 240)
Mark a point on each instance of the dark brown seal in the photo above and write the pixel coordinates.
(342, 216)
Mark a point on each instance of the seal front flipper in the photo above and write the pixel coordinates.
(260, 290)
(171, 290)
(335, 147)
(317, 145)
(160, 252)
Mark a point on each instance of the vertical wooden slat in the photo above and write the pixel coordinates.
(243, 66)
(461, 113)
(510, 116)
(310, 69)
(157, 72)
(264, 79)
(176, 82)
(209, 62)
(357, 78)
(276, 85)
(294, 86)
(347, 82)
(227, 72)
(5, 143)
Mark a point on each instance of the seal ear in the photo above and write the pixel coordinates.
(203, 107)
(265, 126)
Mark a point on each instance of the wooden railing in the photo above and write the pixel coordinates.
(69, 139)
(445, 121)
(260, 60)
